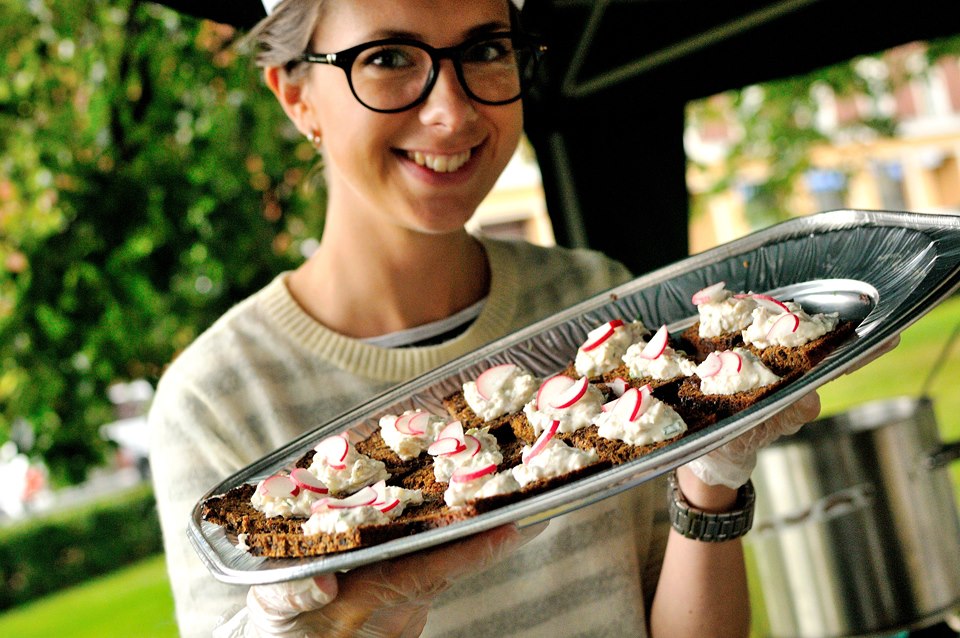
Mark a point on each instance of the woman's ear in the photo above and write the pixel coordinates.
(291, 96)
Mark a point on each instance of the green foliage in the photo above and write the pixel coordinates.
(43, 555)
(148, 181)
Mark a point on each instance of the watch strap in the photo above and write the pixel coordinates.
(707, 526)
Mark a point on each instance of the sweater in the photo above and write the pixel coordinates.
(266, 373)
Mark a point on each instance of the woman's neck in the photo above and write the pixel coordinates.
(384, 282)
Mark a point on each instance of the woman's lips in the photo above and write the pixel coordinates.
(440, 162)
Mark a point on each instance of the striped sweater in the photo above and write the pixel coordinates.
(266, 373)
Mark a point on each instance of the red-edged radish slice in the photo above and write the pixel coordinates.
(609, 405)
(366, 496)
(280, 486)
(452, 430)
(784, 325)
(446, 446)
(628, 406)
(646, 399)
(471, 445)
(492, 379)
(418, 423)
(467, 474)
(600, 334)
(731, 360)
(770, 303)
(656, 345)
(618, 386)
(405, 424)
(307, 481)
(386, 507)
(334, 449)
(541, 442)
(709, 294)
(710, 366)
(551, 388)
(571, 395)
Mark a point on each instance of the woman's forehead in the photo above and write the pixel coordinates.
(345, 23)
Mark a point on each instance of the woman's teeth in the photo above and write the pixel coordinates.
(440, 163)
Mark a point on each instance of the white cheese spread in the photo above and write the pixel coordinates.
(579, 415)
(761, 334)
(555, 459)
(607, 356)
(752, 375)
(515, 390)
(658, 423)
(410, 446)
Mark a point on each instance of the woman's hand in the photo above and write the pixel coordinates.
(389, 598)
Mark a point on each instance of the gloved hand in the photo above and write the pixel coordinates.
(389, 598)
(732, 463)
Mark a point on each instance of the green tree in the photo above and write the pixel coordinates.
(148, 181)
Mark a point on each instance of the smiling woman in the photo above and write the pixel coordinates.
(414, 128)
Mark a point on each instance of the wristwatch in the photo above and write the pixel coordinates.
(705, 526)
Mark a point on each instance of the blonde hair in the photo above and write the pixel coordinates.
(281, 38)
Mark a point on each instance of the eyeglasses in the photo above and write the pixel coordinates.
(397, 74)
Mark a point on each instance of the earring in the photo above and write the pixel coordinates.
(315, 138)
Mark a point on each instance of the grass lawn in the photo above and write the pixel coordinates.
(136, 601)
(132, 602)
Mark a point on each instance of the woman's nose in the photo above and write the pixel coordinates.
(448, 103)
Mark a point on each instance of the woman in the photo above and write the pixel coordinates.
(397, 287)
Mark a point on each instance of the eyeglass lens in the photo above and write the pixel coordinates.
(395, 76)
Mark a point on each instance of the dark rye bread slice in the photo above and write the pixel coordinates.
(376, 448)
(714, 407)
(784, 360)
(458, 408)
(612, 451)
(279, 537)
(700, 347)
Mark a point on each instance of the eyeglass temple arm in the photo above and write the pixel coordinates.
(322, 58)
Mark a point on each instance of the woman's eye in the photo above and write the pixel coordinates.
(489, 51)
(388, 58)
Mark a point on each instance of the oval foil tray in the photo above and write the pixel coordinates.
(883, 270)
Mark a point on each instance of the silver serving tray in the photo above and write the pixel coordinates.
(881, 269)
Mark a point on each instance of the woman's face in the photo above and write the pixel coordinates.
(378, 165)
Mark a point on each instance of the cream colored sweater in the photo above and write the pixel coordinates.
(266, 373)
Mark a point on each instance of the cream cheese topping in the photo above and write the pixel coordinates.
(607, 356)
(555, 459)
(360, 471)
(458, 494)
(658, 423)
(752, 375)
(668, 365)
(410, 446)
(516, 389)
(760, 333)
(445, 465)
(286, 506)
(579, 415)
(727, 315)
(345, 519)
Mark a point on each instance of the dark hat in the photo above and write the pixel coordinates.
(242, 14)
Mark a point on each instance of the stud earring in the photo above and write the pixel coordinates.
(315, 138)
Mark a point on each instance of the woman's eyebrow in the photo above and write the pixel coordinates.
(480, 29)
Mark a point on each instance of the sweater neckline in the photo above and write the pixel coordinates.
(397, 364)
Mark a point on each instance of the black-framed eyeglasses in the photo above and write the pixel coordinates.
(396, 74)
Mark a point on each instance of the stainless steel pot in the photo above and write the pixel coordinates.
(856, 530)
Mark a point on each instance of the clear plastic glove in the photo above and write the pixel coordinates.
(731, 464)
(390, 598)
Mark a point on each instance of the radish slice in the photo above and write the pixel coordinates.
(732, 360)
(334, 449)
(709, 294)
(541, 442)
(307, 481)
(771, 304)
(646, 399)
(551, 388)
(571, 395)
(280, 486)
(656, 345)
(628, 405)
(445, 447)
(618, 386)
(452, 430)
(492, 379)
(711, 366)
(600, 334)
(467, 474)
(412, 423)
(366, 496)
(609, 405)
(471, 445)
(386, 507)
(784, 325)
